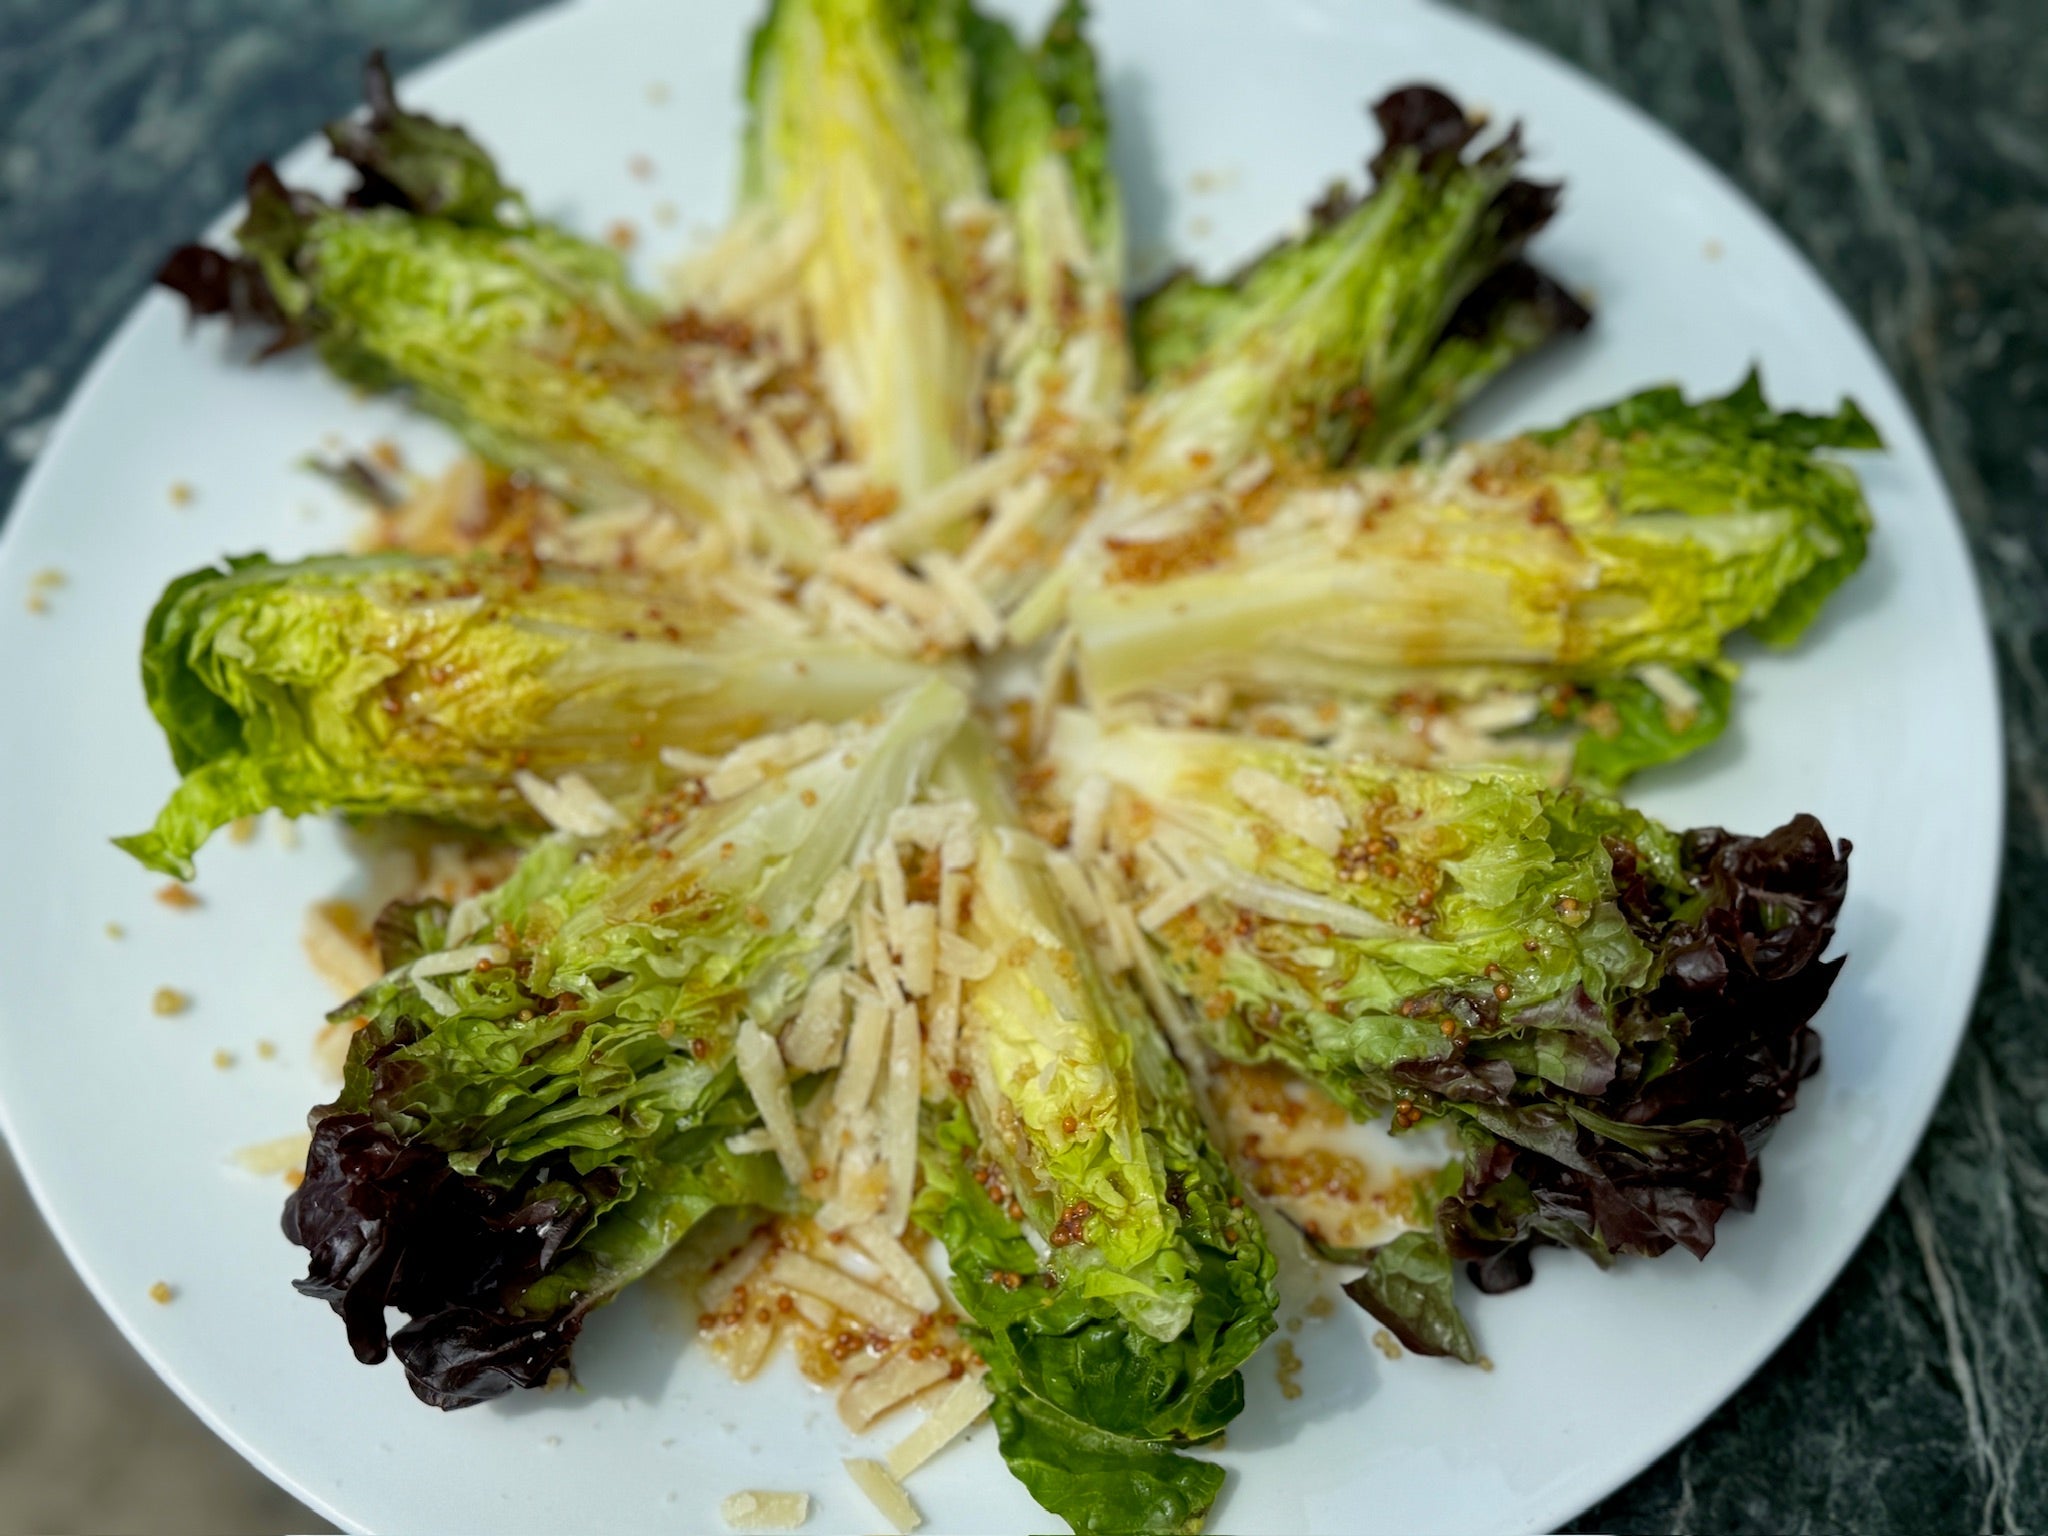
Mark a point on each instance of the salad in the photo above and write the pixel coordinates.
(987, 810)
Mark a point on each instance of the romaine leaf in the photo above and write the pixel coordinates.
(859, 127)
(1625, 726)
(1124, 1331)
(1098, 1482)
(1047, 102)
(1351, 342)
(528, 1123)
(1627, 545)
(1058, 372)
(387, 684)
(1082, 1107)
(1612, 1017)
(1043, 129)
(1659, 453)
(1513, 313)
(1087, 1408)
(432, 276)
(408, 160)
(1408, 1286)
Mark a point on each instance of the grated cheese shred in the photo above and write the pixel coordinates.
(1317, 820)
(760, 1510)
(885, 1493)
(952, 1417)
(761, 1069)
(569, 804)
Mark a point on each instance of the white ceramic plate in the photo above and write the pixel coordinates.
(1884, 722)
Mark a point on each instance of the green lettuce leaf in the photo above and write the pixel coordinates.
(386, 684)
(1073, 1117)
(1611, 1017)
(410, 160)
(1626, 726)
(1659, 453)
(1077, 1389)
(1082, 1106)
(538, 1105)
(1043, 129)
(860, 128)
(1408, 1285)
(1625, 546)
(1513, 313)
(1101, 1483)
(1348, 343)
(432, 276)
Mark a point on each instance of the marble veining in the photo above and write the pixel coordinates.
(1902, 143)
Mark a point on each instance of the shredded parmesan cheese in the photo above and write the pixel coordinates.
(1678, 696)
(1173, 900)
(812, 1041)
(1164, 1005)
(801, 1272)
(899, 1115)
(781, 466)
(888, 1387)
(744, 767)
(863, 1061)
(811, 1310)
(466, 917)
(1291, 904)
(1091, 806)
(738, 1268)
(749, 1348)
(897, 1264)
(569, 804)
(436, 998)
(757, 1510)
(1248, 476)
(1316, 819)
(955, 1414)
(871, 573)
(731, 780)
(970, 605)
(1119, 926)
(963, 958)
(874, 945)
(1052, 682)
(957, 499)
(836, 606)
(1503, 712)
(889, 886)
(840, 482)
(1075, 890)
(761, 1069)
(917, 945)
(682, 760)
(942, 1033)
(1017, 508)
(885, 1493)
(834, 901)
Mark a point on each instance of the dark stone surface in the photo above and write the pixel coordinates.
(1903, 143)
(1904, 146)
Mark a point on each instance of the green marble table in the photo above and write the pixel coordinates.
(1903, 143)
